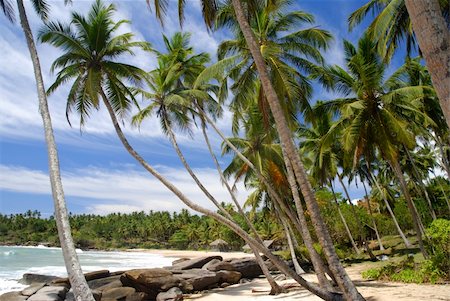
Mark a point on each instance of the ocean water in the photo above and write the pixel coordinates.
(16, 260)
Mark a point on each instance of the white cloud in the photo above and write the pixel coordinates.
(120, 190)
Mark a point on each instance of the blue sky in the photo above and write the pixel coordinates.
(98, 175)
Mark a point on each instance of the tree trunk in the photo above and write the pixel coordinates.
(344, 281)
(347, 229)
(422, 185)
(78, 282)
(411, 207)
(326, 295)
(298, 268)
(366, 196)
(317, 262)
(300, 223)
(433, 36)
(358, 220)
(275, 288)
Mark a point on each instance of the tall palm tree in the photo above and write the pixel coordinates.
(424, 20)
(172, 98)
(373, 117)
(78, 282)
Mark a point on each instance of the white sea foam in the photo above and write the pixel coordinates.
(15, 261)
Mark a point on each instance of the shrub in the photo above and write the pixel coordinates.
(439, 246)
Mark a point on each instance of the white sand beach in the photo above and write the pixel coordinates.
(258, 289)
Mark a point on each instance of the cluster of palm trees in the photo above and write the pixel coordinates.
(270, 64)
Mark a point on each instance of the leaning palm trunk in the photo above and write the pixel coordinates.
(358, 220)
(344, 281)
(78, 282)
(421, 184)
(297, 267)
(347, 229)
(366, 196)
(388, 206)
(300, 223)
(275, 288)
(416, 220)
(326, 295)
(431, 30)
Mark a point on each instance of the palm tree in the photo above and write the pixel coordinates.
(424, 20)
(172, 99)
(373, 113)
(78, 282)
(290, 54)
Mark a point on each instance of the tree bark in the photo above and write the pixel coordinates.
(341, 276)
(433, 36)
(366, 196)
(322, 293)
(78, 282)
(297, 267)
(398, 172)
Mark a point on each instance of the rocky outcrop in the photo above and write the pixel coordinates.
(194, 263)
(30, 278)
(161, 284)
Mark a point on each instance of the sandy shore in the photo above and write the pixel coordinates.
(258, 289)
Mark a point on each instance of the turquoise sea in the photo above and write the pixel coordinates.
(17, 260)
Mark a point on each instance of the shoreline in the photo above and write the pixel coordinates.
(191, 253)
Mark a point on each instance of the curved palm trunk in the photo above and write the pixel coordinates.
(398, 172)
(422, 185)
(326, 295)
(300, 223)
(78, 282)
(347, 229)
(371, 216)
(358, 220)
(342, 278)
(297, 267)
(275, 288)
(317, 262)
(433, 36)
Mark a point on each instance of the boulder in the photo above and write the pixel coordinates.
(174, 294)
(180, 260)
(200, 279)
(150, 281)
(49, 293)
(224, 285)
(195, 263)
(218, 266)
(13, 296)
(70, 297)
(30, 278)
(248, 267)
(97, 283)
(32, 289)
(117, 292)
(88, 276)
(137, 296)
(212, 262)
(231, 277)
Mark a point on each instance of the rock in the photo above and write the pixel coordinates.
(180, 260)
(89, 277)
(137, 296)
(114, 284)
(271, 266)
(150, 281)
(244, 280)
(13, 296)
(248, 267)
(49, 293)
(231, 277)
(218, 266)
(117, 292)
(174, 294)
(280, 277)
(208, 264)
(200, 279)
(224, 285)
(32, 289)
(30, 278)
(97, 283)
(195, 263)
